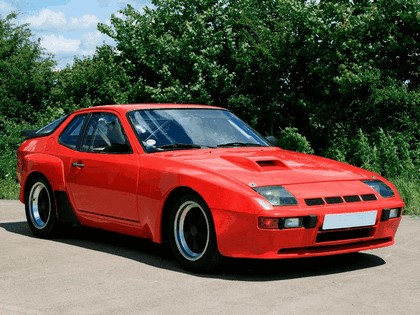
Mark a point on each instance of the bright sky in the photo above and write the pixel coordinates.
(67, 28)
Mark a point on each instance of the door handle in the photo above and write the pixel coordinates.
(77, 164)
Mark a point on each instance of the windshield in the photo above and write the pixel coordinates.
(174, 129)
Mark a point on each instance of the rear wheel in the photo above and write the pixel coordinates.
(40, 208)
(192, 237)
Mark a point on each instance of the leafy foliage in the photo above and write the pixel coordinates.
(179, 52)
(389, 154)
(291, 139)
(91, 81)
(25, 77)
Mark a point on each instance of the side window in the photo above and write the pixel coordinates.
(104, 134)
(70, 136)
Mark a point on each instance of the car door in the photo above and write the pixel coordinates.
(103, 170)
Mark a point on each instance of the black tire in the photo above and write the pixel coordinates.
(192, 237)
(40, 208)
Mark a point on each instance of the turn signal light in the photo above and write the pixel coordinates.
(268, 223)
(390, 213)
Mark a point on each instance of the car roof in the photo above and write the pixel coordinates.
(124, 108)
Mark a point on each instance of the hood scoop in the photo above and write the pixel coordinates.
(259, 164)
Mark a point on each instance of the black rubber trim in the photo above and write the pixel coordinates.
(64, 209)
(310, 221)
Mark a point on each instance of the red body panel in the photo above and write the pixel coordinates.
(126, 193)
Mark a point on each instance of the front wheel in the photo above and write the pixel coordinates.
(40, 208)
(192, 237)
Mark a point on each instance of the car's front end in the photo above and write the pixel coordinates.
(293, 205)
(328, 218)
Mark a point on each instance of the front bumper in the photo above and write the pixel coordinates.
(238, 234)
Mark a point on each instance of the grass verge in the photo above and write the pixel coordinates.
(9, 189)
(409, 190)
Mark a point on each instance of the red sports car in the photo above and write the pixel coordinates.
(200, 179)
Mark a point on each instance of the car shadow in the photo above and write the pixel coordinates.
(156, 255)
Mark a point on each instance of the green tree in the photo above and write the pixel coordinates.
(91, 81)
(178, 52)
(25, 72)
(327, 68)
(364, 61)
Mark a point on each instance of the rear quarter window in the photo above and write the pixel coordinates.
(71, 134)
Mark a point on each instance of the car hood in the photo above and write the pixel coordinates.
(270, 166)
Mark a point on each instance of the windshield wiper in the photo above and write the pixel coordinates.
(239, 144)
(179, 146)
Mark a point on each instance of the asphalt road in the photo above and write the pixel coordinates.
(94, 272)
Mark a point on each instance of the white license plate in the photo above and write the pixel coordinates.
(349, 220)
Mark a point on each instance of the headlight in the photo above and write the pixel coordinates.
(277, 195)
(380, 187)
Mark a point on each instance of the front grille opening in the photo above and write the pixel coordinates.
(334, 200)
(339, 199)
(314, 202)
(369, 197)
(325, 248)
(340, 235)
(354, 198)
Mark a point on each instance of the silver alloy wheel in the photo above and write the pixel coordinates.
(191, 230)
(39, 205)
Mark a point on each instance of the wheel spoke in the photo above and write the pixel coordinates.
(193, 216)
(202, 225)
(195, 244)
(190, 218)
(187, 235)
(203, 236)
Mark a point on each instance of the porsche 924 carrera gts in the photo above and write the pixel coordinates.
(202, 181)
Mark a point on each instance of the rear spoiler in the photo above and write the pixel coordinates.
(29, 134)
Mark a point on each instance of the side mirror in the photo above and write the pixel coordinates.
(273, 140)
